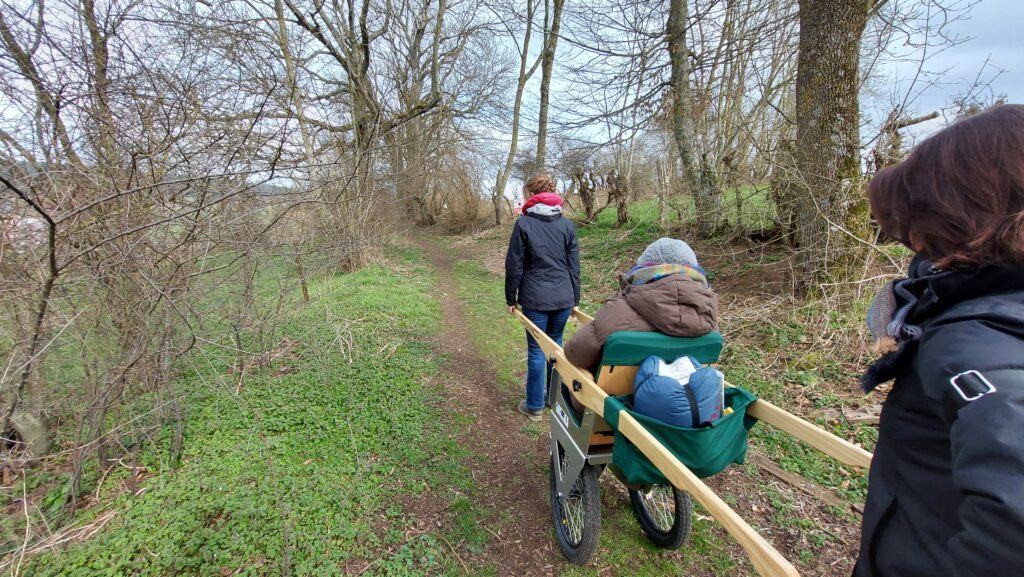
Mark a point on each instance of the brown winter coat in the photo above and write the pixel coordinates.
(675, 305)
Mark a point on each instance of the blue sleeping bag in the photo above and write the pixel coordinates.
(693, 404)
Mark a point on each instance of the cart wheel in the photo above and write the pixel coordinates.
(664, 513)
(576, 516)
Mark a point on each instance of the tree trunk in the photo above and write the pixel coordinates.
(706, 198)
(588, 192)
(709, 199)
(547, 64)
(663, 189)
(618, 189)
(302, 277)
(496, 199)
(524, 75)
(109, 160)
(291, 75)
(48, 103)
(831, 207)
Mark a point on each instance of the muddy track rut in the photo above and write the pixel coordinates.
(512, 477)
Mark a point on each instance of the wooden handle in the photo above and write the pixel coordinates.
(582, 317)
(765, 558)
(839, 449)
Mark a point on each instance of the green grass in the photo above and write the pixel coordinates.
(304, 472)
(757, 211)
(812, 374)
(81, 356)
(625, 550)
(607, 251)
(499, 337)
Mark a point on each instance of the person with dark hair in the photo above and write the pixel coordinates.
(542, 275)
(946, 486)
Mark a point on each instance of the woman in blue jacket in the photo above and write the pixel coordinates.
(946, 486)
(542, 275)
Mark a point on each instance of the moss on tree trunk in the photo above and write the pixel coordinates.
(831, 208)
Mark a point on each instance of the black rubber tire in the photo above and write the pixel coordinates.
(586, 493)
(676, 535)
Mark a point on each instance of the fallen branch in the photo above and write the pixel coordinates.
(71, 534)
(820, 493)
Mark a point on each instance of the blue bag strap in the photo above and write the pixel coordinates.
(694, 410)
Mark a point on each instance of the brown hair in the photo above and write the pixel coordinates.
(958, 199)
(539, 183)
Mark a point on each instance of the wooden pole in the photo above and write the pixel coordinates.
(839, 449)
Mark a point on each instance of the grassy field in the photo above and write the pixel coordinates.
(307, 470)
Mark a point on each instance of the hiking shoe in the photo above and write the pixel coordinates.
(532, 414)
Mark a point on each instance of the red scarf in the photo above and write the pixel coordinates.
(548, 198)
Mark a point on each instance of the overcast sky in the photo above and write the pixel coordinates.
(996, 29)
(993, 31)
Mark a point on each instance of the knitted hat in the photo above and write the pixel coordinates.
(668, 251)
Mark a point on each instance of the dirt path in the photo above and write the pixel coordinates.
(512, 477)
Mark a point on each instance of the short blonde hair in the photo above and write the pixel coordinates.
(539, 183)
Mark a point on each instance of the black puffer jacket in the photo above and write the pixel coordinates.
(542, 266)
(946, 490)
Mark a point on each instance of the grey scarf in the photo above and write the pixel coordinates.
(887, 316)
(888, 320)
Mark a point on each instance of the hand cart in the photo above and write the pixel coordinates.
(593, 428)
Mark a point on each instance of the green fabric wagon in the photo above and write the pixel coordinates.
(705, 451)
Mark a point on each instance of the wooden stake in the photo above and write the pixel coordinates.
(820, 493)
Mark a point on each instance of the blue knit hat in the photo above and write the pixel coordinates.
(668, 251)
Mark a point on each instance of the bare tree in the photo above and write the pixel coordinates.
(526, 71)
(552, 27)
(706, 199)
(156, 158)
(832, 217)
(710, 76)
